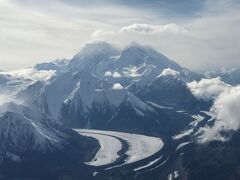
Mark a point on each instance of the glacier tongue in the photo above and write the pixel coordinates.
(108, 152)
(140, 146)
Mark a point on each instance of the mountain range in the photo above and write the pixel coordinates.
(134, 90)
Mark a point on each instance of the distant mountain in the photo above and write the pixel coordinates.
(231, 76)
(57, 65)
(15, 81)
(3, 79)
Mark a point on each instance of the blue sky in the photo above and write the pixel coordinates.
(198, 34)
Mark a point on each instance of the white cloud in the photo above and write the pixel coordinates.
(31, 73)
(101, 34)
(33, 31)
(4, 98)
(169, 72)
(226, 110)
(201, 47)
(117, 86)
(153, 29)
(208, 89)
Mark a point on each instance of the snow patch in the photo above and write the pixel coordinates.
(169, 72)
(149, 164)
(158, 106)
(182, 145)
(108, 73)
(183, 134)
(117, 86)
(173, 175)
(116, 75)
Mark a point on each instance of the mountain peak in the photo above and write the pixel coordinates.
(91, 55)
(98, 47)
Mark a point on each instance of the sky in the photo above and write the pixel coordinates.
(198, 34)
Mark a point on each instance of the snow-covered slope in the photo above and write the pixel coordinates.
(23, 129)
(170, 90)
(79, 98)
(32, 141)
(27, 94)
(3, 79)
(93, 57)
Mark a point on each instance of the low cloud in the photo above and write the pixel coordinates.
(101, 33)
(227, 116)
(225, 108)
(140, 29)
(4, 98)
(153, 29)
(208, 89)
(31, 73)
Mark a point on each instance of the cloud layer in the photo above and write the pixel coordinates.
(152, 29)
(208, 89)
(31, 73)
(225, 109)
(197, 34)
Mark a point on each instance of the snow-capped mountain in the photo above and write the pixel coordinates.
(94, 57)
(135, 90)
(135, 65)
(83, 100)
(230, 76)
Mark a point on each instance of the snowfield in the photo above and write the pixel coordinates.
(139, 146)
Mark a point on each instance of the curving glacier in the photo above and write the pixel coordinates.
(140, 146)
